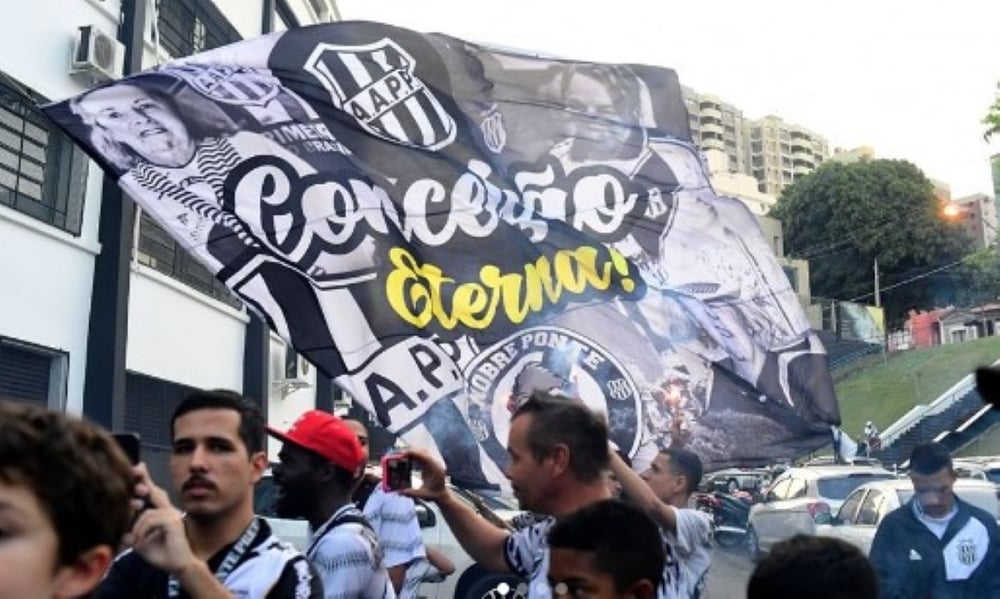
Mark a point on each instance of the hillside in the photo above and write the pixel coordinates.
(886, 390)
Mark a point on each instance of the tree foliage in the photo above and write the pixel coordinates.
(842, 217)
(980, 278)
(992, 118)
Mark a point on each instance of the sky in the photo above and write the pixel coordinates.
(912, 82)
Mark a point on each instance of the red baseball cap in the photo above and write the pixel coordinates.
(325, 434)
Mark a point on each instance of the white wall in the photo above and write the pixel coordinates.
(45, 274)
(177, 334)
(245, 15)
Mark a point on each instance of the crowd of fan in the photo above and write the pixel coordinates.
(78, 520)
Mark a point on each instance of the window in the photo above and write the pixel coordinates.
(32, 374)
(780, 490)
(159, 251)
(868, 515)
(190, 26)
(797, 488)
(42, 172)
(850, 507)
(838, 487)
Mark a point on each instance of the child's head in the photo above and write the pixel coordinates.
(65, 491)
(608, 550)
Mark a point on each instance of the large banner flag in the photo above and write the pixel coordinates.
(443, 227)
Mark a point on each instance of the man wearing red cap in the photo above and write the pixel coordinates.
(320, 459)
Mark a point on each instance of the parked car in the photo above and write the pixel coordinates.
(828, 460)
(733, 479)
(796, 496)
(469, 580)
(979, 468)
(858, 518)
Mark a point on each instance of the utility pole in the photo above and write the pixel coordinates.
(878, 294)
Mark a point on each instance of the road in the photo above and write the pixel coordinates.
(727, 579)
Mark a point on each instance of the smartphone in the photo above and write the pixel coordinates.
(129, 442)
(397, 472)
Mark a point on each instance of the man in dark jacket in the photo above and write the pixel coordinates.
(936, 545)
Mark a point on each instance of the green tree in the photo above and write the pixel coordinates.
(842, 217)
(980, 278)
(992, 118)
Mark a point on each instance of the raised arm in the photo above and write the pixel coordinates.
(639, 492)
(483, 541)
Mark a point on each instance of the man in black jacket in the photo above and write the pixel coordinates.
(936, 545)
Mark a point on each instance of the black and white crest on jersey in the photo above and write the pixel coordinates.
(228, 85)
(377, 85)
(967, 552)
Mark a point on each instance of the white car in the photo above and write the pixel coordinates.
(858, 518)
(469, 580)
(796, 496)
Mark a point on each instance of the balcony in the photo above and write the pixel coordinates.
(802, 169)
(802, 157)
(711, 128)
(712, 143)
(710, 111)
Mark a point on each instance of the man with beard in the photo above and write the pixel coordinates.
(320, 461)
(557, 457)
(216, 547)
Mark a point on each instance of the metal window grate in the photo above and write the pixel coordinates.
(159, 251)
(24, 375)
(191, 26)
(42, 173)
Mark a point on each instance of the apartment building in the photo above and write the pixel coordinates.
(101, 313)
(780, 152)
(771, 150)
(718, 125)
(978, 216)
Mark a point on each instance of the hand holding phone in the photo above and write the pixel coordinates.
(397, 472)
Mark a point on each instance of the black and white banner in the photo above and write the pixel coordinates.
(442, 227)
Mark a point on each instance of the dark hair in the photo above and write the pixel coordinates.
(561, 421)
(252, 428)
(814, 567)
(626, 543)
(619, 81)
(80, 477)
(687, 464)
(929, 458)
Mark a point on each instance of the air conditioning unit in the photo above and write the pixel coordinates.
(97, 55)
(289, 372)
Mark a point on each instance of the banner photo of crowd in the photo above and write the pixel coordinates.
(443, 228)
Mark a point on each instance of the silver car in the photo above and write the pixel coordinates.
(791, 503)
(858, 518)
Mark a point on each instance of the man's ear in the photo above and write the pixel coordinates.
(258, 462)
(82, 576)
(643, 589)
(559, 455)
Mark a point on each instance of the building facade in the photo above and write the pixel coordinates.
(771, 150)
(717, 125)
(978, 216)
(102, 314)
(781, 152)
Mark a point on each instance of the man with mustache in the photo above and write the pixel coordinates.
(216, 547)
(320, 461)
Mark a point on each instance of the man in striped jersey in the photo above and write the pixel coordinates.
(558, 455)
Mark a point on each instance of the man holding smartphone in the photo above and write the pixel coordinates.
(320, 462)
(216, 547)
(393, 516)
(557, 458)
